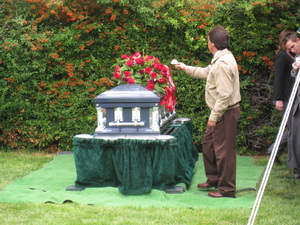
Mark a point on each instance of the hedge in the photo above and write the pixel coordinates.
(56, 56)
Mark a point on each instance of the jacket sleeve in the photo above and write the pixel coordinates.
(198, 72)
(279, 76)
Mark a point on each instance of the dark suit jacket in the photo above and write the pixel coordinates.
(283, 81)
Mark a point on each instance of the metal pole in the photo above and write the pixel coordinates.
(274, 152)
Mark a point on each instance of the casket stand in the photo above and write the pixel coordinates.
(135, 163)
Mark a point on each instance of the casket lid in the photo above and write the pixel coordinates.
(127, 93)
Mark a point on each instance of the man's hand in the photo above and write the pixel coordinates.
(180, 66)
(211, 123)
(296, 66)
(279, 105)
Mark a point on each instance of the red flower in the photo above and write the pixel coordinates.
(117, 75)
(201, 26)
(153, 75)
(129, 62)
(265, 58)
(124, 57)
(140, 61)
(130, 80)
(148, 58)
(162, 80)
(150, 86)
(127, 74)
(137, 55)
(117, 69)
(158, 66)
(164, 72)
(148, 70)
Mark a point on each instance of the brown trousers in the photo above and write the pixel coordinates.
(219, 152)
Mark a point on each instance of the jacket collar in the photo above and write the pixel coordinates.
(220, 54)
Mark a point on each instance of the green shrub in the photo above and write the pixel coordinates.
(56, 56)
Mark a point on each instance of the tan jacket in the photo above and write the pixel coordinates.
(222, 89)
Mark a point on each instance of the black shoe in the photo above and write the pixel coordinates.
(296, 173)
(277, 160)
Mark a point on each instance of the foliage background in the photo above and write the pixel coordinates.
(57, 55)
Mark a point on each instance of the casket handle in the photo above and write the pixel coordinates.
(118, 124)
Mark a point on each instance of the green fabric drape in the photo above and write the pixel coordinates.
(136, 166)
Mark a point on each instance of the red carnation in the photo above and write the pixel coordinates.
(162, 80)
(130, 80)
(148, 70)
(149, 58)
(164, 73)
(129, 62)
(150, 86)
(158, 66)
(153, 75)
(117, 75)
(137, 55)
(127, 73)
(140, 61)
(124, 57)
(117, 69)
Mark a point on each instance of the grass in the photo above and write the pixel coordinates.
(279, 204)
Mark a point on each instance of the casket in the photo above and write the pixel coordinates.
(128, 110)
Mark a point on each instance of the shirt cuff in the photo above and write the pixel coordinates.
(294, 73)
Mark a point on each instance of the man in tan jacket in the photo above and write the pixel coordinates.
(222, 95)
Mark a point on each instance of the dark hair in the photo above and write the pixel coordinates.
(283, 39)
(289, 36)
(220, 37)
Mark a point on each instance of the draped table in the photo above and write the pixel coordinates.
(138, 165)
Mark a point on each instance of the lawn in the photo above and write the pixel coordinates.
(279, 205)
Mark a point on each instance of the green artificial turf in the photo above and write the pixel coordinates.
(48, 185)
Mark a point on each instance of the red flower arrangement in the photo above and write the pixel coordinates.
(149, 72)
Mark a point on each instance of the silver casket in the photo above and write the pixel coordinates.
(130, 110)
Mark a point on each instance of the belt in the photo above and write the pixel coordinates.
(233, 106)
